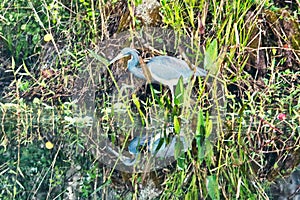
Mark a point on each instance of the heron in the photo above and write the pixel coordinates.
(165, 70)
(155, 144)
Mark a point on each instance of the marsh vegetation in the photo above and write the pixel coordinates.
(63, 104)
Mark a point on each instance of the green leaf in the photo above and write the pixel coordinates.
(179, 92)
(209, 153)
(178, 148)
(200, 136)
(211, 56)
(212, 187)
(200, 131)
(208, 129)
(136, 101)
(179, 154)
(176, 125)
(161, 142)
(181, 163)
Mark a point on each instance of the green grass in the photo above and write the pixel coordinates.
(240, 145)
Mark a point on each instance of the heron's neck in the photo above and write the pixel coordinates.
(134, 67)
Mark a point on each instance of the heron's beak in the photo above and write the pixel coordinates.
(118, 57)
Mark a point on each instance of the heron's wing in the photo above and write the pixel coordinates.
(168, 150)
(168, 68)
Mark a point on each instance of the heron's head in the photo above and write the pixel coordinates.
(124, 53)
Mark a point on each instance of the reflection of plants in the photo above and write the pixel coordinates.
(32, 138)
(20, 28)
(29, 168)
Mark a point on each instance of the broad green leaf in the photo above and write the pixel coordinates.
(161, 142)
(179, 154)
(176, 125)
(179, 92)
(209, 153)
(200, 136)
(219, 61)
(213, 187)
(181, 163)
(208, 129)
(200, 131)
(178, 148)
(210, 57)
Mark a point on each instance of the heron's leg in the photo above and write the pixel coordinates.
(173, 96)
